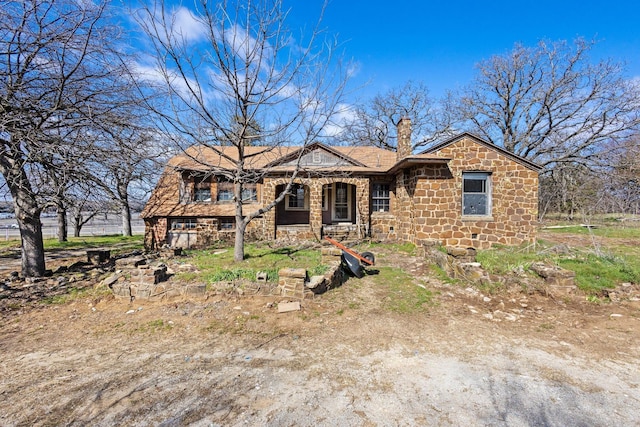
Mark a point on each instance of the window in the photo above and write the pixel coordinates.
(225, 191)
(380, 198)
(183, 223)
(249, 193)
(226, 223)
(476, 193)
(202, 195)
(297, 199)
(202, 189)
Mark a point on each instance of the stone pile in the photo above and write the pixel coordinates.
(135, 278)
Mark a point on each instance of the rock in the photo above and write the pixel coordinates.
(456, 252)
(314, 282)
(135, 261)
(554, 275)
(196, 289)
(112, 279)
(285, 307)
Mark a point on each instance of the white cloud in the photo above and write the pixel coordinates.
(186, 25)
(344, 114)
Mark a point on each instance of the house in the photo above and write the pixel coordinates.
(462, 192)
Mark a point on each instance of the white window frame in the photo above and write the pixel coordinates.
(197, 192)
(487, 192)
(375, 198)
(287, 198)
(250, 194)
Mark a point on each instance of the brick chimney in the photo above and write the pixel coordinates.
(404, 138)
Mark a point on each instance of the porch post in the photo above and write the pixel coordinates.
(315, 207)
(268, 195)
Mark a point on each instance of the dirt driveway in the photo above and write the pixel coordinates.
(509, 359)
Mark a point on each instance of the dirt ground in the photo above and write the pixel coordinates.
(507, 359)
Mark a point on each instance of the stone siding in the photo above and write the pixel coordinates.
(315, 202)
(437, 199)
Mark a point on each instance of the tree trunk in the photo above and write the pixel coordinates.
(77, 224)
(126, 220)
(123, 195)
(238, 249)
(27, 215)
(32, 245)
(62, 223)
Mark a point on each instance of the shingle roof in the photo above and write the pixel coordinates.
(361, 159)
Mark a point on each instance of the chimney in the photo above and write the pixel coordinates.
(403, 139)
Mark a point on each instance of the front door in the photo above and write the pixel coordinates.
(341, 202)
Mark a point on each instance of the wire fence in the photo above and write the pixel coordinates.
(99, 226)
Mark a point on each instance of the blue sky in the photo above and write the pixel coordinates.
(439, 42)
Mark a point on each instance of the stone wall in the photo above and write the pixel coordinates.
(384, 226)
(435, 207)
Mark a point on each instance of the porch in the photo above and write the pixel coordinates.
(323, 207)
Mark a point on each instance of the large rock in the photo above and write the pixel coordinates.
(554, 275)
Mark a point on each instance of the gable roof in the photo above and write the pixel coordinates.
(276, 159)
(527, 163)
(315, 147)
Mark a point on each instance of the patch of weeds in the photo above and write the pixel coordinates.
(340, 312)
(215, 326)
(546, 327)
(442, 275)
(594, 273)
(219, 265)
(490, 288)
(353, 305)
(407, 248)
(610, 231)
(232, 274)
(318, 270)
(593, 299)
(157, 325)
(505, 260)
(403, 294)
(73, 294)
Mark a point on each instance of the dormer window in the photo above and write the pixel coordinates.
(202, 189)
(225, 191)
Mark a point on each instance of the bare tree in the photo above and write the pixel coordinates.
(623, 180)
(375, 122)
(115, 176)
(551, 104)
(59, 70)
(234, 74)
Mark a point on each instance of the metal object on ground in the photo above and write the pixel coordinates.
(354, 261)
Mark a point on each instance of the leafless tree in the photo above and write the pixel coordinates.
(623, 178)
(233, 74)
(375, 122)
(551, 104)
(59, 70)
(126, 158)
